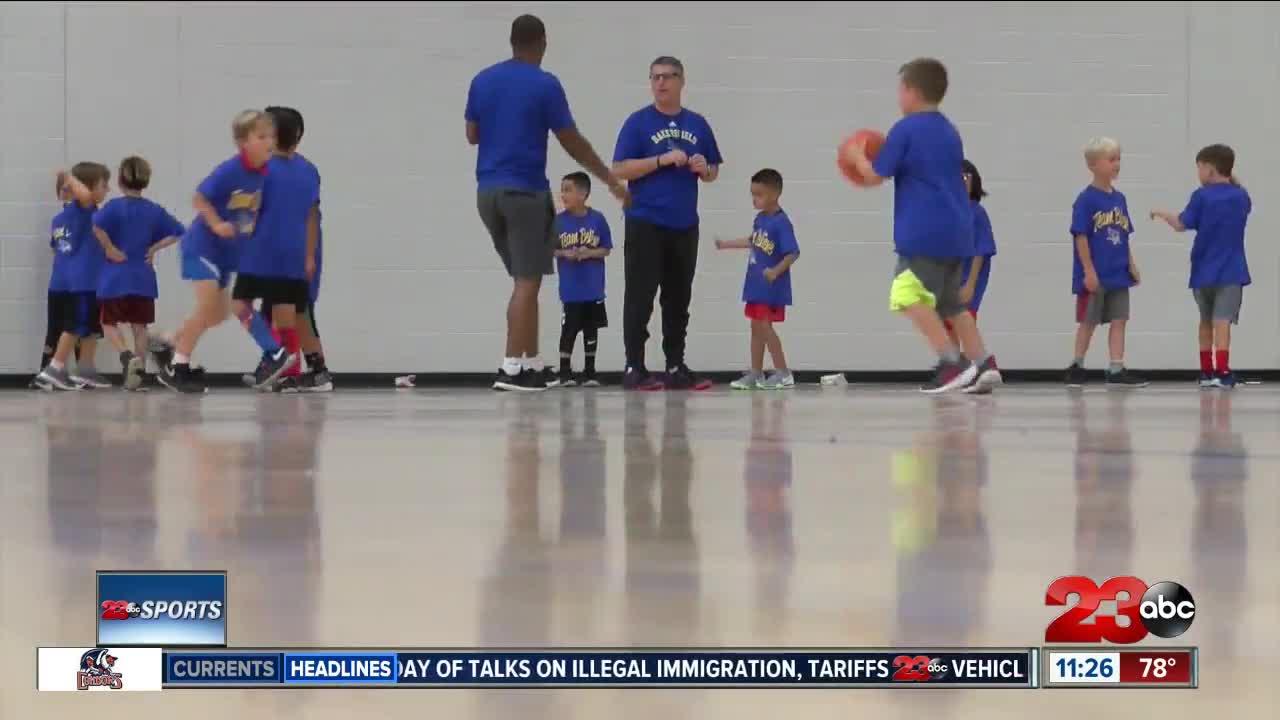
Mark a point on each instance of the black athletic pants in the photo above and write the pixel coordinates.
(657, 257)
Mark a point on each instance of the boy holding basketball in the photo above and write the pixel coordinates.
(932, 226)
(767, 288)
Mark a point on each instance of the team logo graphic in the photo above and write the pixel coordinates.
(98, 669)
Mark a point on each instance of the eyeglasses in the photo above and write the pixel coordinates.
(654, 77)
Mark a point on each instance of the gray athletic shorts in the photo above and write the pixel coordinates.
(935, 281)
(522, 225)
(1102, 307)
(1219, 303)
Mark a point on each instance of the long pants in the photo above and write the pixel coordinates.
(657, 257)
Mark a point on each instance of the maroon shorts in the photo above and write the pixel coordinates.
(128, 310)
(947, 323)
(760, 311)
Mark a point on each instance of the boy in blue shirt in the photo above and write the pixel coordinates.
(131, 230)
(74, 281)
(1218, 211)
(227, 204)
(932, 226)
(58, 242)
(273, 265)
(584, 241)
(1103, 268)
(767, 287)
(977, 269)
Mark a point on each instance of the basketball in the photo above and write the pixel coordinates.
(874, 140)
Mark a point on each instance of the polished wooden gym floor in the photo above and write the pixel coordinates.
(863, 517)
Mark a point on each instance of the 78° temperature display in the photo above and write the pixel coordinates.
(1155, 667)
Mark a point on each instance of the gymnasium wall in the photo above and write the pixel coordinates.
(411, 281)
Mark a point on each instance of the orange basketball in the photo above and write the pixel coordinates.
(874, 139)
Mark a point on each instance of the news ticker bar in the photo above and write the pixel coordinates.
(1028, 668)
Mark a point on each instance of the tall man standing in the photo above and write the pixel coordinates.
(663, 151)
(511, 106)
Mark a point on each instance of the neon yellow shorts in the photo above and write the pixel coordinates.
(931, 281)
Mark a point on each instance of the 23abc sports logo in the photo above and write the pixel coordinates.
(160, 609)
(1165, 609)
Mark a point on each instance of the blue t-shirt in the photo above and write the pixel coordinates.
(315, 279)
(772, 239)
(235, 191)
(668, 196)
(278, 247)
(84, 256)
(134, 224)
(62, 236)
(582, 280)
(1104, 218)
(984, 246)
(1218, 213)
(514, 104)
(924, 155)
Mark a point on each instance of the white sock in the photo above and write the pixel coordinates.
(533, 363)
(56, 364)
(512, 366)
(181, 359)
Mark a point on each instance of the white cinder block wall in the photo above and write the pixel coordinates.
(411, 282)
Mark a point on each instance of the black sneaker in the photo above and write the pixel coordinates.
(549, 378)
(288, 385)
(531, 380)
(949, 376)
(637, 378)
(589, 379)
(178, 378)
(681, 377)
(272, 368)
(317, 382)
(1124, 378)
(161, 351)
(505, 382)
(1077, 376)
(567, 379)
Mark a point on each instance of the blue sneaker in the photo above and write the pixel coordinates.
(1208, 381)
(1226, 380)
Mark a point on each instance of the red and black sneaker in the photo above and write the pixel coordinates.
(950, 376)
(681, 377)
(637, 378)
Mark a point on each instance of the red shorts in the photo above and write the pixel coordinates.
(760, 311)
(947, 323)
(128, 310)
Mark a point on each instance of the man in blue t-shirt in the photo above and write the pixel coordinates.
(511, 106)
(664, 150)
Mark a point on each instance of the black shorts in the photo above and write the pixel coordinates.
(579, 316)
(272, 291)
(76, 313)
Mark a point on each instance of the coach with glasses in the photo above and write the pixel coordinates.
(663, 151)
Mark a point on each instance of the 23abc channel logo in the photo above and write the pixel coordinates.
(157, 609)
(1165, 609)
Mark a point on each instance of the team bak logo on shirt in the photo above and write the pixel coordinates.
(1115, 219)
(98, 669)
(62, 239)
(242, 210)
(583, 237)
(760, 238)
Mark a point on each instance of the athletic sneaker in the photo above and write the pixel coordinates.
(1077, 376)
(91, 380)
(317, 382)
(177, 377)
(506, 382)
(778, 380)
(949, 376)
(681, 377)
(270, 370)
(987, 378)
(750, 380)
(549, 377)
(132, 366)
(288, 385)
(640, 379)
(1226, 380)
(589, 379)
(161, 351)
(1208, 381)
(1124, 378)
(567, 379)
(51, 379)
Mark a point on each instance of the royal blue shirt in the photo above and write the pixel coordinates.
(84, 257)
(667, 196)
(134, 224)
(984, 246)
(514, 104)
(924, 155)
(1218, 213)
(772, 239)
(63, 238)
(235, 191)
(315, 279)
(1103, 217)
(582, 280)
(278, 247)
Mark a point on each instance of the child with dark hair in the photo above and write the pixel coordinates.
(1218, 211)
(583, 242)
(58, 243)
(74, 281)
(767, 287)
(977, 269)
(131, 230)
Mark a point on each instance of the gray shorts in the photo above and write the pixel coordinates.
(935, 281)
(1219, 303)
(522, 225)
(1102, 307)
